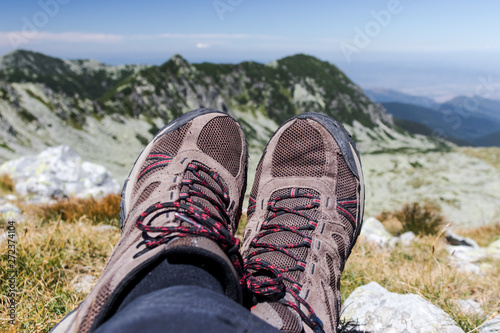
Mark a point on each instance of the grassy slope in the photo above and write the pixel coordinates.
(52, 252)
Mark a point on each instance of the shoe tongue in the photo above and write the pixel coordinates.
(282, 238)
(207, 192)
(164, 218)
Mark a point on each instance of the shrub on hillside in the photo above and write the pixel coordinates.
(6, 184)
(423, 219)
(98, 210)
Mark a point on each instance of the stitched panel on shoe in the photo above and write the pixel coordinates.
(346, 181)
(328, 306)
(256, 180)
(300, 152)
(334, 273)
(341, 246)
(290, 322)
(146, 193)
(348, 230)
(221, 140)
(171, 142)
(97, 304)
(141, 181)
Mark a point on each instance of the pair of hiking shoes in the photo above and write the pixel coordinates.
(183, 199)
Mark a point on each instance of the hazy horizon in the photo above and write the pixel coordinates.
(434, 49)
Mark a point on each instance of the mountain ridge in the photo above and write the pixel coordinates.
(86, 77)
(393, 96)
(111, 124)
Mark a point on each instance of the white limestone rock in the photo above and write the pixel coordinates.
(373, 231)
(59, 172)
(10, 212)
(491, 326)
(407, 238)
(456, 240)
(83, 283)
(10, 197)
(495, 246)
(471, 259)
(375, 309)
(469, 307)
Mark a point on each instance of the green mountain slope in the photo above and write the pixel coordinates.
(87, 78)
(107, 113)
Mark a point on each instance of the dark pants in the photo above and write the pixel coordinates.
(181, 298)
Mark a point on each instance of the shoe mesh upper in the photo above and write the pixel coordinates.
(98, 303)
(346, 181)
(171, 142)
(290, 323)
(300, 152)
(166, 144)
(147, 192)
(221, 140)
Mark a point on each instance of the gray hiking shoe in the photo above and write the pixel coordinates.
(304, 216)
(182, 199)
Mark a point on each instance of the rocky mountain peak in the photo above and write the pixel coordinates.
(179, 60)
(31, 63)
(87, 78)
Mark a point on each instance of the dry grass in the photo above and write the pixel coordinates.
(51, 252)
(423, 268)
(49, 256)
(422, 219)
(484, 235)
(104, 210)
(6, 184)
(241, 226)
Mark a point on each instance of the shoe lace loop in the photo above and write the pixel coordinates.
(266, 281)
(198, 219)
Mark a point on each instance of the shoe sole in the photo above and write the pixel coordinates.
(171, 126)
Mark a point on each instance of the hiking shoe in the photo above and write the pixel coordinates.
(182, 200)
(304, 216)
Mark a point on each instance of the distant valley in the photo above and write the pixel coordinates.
(463, 121)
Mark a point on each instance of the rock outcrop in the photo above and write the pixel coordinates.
(472, 259)
(375, 309)
(467, 256)
(59, 172)
(373, 231)
(491, 326)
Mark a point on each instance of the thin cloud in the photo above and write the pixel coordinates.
(202, 45)
(16, 38)
(22, 37)
(208, 36)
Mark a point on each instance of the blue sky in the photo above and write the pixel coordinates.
(365, 38)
